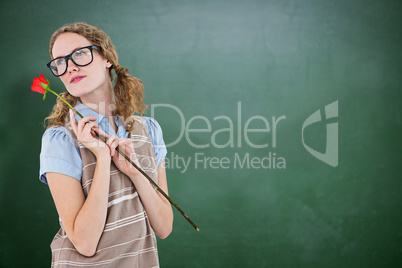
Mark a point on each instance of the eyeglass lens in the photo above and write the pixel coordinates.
(80, 57)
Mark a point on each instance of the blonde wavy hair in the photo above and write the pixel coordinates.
(128, 90)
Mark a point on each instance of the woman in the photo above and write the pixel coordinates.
(108, 211)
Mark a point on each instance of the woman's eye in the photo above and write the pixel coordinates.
(79, 53)
(60, 61)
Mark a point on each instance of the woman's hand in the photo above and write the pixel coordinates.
(85, 132)
(126, 146)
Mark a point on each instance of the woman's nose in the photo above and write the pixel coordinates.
(71, 66)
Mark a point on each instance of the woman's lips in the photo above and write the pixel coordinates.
(76, 79)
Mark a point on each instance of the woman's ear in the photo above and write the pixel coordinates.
(108, 64)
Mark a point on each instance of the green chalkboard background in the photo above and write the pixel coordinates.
(227, 66)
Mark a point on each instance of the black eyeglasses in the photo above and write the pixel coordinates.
(80, 57)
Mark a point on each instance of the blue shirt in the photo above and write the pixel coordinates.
(60, 154)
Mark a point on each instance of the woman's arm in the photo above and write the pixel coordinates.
(158, 208)
(83, 219)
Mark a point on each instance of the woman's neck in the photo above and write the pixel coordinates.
(104, 107)
(101, 101)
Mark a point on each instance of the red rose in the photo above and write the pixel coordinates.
(36, 86)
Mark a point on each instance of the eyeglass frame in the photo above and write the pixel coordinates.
(69, 56)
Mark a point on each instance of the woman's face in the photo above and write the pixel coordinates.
(86, 80)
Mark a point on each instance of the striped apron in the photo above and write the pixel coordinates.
(127, 239)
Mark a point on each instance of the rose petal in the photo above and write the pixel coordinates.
(38, 88)
(36, 81)
(42, 79)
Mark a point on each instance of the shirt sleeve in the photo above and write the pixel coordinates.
(59, 154)
(156, 136)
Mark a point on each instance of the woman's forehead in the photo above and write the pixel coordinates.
(67, 43)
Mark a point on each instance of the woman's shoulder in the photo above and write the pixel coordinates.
(58, 134)
(151, 122)
(59, 153)
(155, 134)
(56, 130)
(152, 126)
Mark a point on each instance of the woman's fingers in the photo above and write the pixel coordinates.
(73, 122)
(87, 129)
(100, 132)
(84, 121)
(78, 128)
(84, 129)
(127, 146)
(126, 142)
(112, 142)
